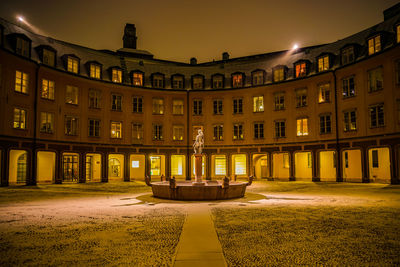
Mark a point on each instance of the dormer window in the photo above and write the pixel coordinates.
(347, 55)
(95, 71)
(279, 74)
(374, 45)
(197, 82)
(257, 77)
(48, 57)
(137, 78)
(22, 47)
(116, 75)
(300, 69)
(237, 80)
(158, 80)
(217, 81)
(323, 63)
(177, 81)
(72, 64)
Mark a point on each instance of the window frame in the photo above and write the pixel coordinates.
(218, 106)
(181, 109)
(159, 77)
(376, 45)
(222, 81)
(24, 79)
(301, 132)
(97, 94)
(133, 79)
(24, 121)
(116, 135)
(280, 128)
(348, 122)
(157, 132)
(75, 130)
(76, 90)
(139, 131)
(179, 79)
(238, 131)
(49, 124)
(139, 104)
(369, 84)
(300, 101)
(279, 101)
(327, 127)
(218, 132)
(116, 104)
(237, 105)
(237, 80)
(50, 89)
(197, 76)
(378, 124)
(257, 133)
(181, 127)
(256, 106)
(160, 110)
(199, 110)
(96, 128)
(261, 73)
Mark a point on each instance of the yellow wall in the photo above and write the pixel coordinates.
(302, 168)
(46, 166)
(382, 173)
(327, 170)
(354, 171)
(279, 170)
(137, 172)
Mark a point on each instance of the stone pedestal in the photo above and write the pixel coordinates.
(198, 159)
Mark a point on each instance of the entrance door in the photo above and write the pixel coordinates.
(70, 164)
(21, 168)
(264, 167)
(89, 168)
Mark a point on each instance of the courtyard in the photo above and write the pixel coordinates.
(275, 224)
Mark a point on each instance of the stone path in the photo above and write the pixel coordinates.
(199, 244)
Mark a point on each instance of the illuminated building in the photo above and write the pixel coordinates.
(322, 113)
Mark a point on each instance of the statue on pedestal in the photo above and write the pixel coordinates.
(198, 149)
(199, 142)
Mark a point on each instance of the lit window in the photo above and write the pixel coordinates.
(116, 129)
(377, 116)
(301, 97)
(220, 165)
(374, 45)
(177, 82)
(116, 102)
(348, 55)
(71, 95)
(279, 74)
(158, 106)
(325, 124)
(137, 131)
(137, 102)
(302, 126)
(323, 63)
(279, 101)
(197, 107)
(157, 132)
(155, 165)
(21, 82)
(46, 122)
(19, 118)
(240, 162)
(94, 98)
(324, 93)
(47, 89)
(72, 64)
(177, 107)
(218, 132)
(280, 129)
(398, 33)
(348, 87)
(116, 75)
(258, 103)
(258, 77)
(95, 71)
(197, 82)
(158, 81)
(301, 69)
(217, 107)
(177, 132)
(137, 79)
(238, 106)
(114, 167)
(350, 120)
(94, 128)
(375, 79)
(48, 57)
(237, 80)
(71, 125)
(218, 81)
(177, 162)
(238, 131)
(258, 130)
(22, 47)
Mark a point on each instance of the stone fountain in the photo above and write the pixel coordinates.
(199, 189)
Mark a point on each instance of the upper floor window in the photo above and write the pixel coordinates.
(137, 131)
(323, 63)
(137, 102)
(95, 71)
(71, 125)
(301, 97)
(158, 106)
(376, 115)
(374, 45)
(238, 106)
(49, 57)
(238, 131)
(217, 107)
(197, 107)
(94, 128)
(279, 74)
(347, 55)
(116, 75)
(237, 80)
(280, 129)
(46, 122)
(324, 94)
(177, 82)
(302, 126)
(350, 120)
(177, 107)
(217, 81)
(258, 130)
(257, 77)
(348, 87)
(197, 82)
(22, 47)
(47, 89)
(325, 124)
(375, 79)
(218, 132)
(157, 132)
(177, 133)
(116, 102)
(71, 95)
(158, 80)
(94, 98)
(258, 103)
(137, 78)
(19, 121)
(21, 82)
(301, 69)
(72, 64)
(279, 101)
(116, 129)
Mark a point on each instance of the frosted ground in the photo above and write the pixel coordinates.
(277, 223)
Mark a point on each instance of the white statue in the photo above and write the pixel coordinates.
(199, 143)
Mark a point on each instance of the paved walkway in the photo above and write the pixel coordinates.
(199, 244)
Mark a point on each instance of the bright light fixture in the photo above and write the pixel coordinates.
(20, 18)
(295, 46)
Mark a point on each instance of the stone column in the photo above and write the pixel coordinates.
(82, 168)
(269, 162)
(291, 166)
(167, 165)
(364, 164)
(127, 167)
(393, 164)
(4, 166)
(104, 168)
(198, 158)
(314, 165)
(59, 167)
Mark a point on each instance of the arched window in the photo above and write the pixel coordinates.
(21, 168)
(114, 167)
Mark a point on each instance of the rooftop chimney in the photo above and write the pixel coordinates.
(225, 56)
(193, 61)
(391, 11)
(130, 36)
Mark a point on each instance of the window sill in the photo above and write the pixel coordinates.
(47, 99)
(72, 104)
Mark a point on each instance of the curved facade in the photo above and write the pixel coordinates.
(323, 113)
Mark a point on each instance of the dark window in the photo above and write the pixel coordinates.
(350, 121)
(217, 81)
(301, 97)
(325, 124)
(218, 132)
(157, 132)
(116, 102)
(280, 129)
(197, 107)
(348, 87)
(71, 125)
(217, 107)
(375, 79)
(158, 80)
(137, 102)
(347, 55)
(137, 131)
(238, 106)
(177, 82)
(258, 130)
(258, 77)
(377, 116)
(94, 128)
(238, 132)
(279, 101)
(94, 98)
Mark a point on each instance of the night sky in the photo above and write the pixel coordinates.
(180, 29)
